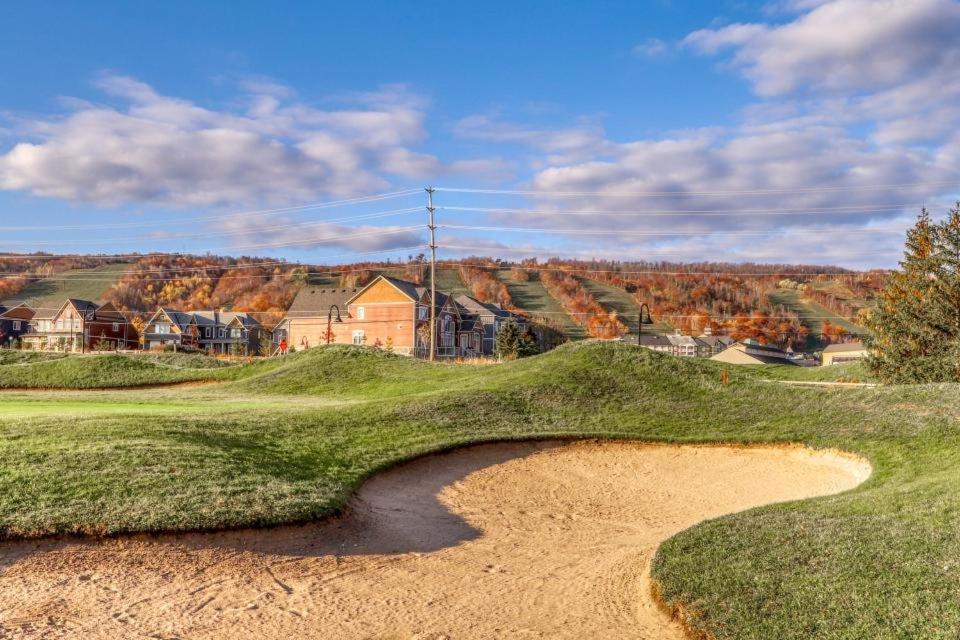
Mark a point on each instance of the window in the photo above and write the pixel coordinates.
(361, 313)
(116, 327)
(223, 333)
(422, 313)
(235, 333)
(207, 332)
(358, 337)
(16, 325)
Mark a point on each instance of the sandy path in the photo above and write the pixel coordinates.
(511, 540)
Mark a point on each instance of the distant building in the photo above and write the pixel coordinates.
(844, 352)
(14, 322)
(752, 352)
(80, 325)
(395, 313)
(211, 331)
(714, 344)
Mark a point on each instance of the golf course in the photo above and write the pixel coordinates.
(94, 449)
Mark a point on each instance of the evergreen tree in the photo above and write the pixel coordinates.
(916, 326)
(528, 345)
(507, 341)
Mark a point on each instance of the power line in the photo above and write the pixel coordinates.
(622, 232)
(643, 194)
(849, 210)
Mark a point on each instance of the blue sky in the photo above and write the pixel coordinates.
(659, 130)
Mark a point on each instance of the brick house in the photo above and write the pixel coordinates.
(388, 312)
(81, 325)
(14, 322)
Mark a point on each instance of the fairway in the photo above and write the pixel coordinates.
(811, 314)
(532, 297)
(86, 284)
(289, 440)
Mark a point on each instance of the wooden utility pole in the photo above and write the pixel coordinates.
(433, 276)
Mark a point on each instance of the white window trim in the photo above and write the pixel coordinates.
(361, 313)
(116, 327)
(358, 336)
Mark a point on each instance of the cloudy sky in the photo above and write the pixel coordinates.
(782, 131)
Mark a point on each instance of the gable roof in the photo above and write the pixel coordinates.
(82, 306)
(314, 302)
(19, 312)
(410, 289)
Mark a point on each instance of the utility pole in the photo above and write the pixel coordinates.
(433, 276)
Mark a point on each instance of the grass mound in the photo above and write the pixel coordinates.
(9, 356)
(96, 372)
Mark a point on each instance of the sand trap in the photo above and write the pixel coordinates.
(521, 540)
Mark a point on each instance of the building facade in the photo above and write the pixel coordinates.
(14, 322)
(81, 325)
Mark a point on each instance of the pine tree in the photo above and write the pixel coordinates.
(508, 340)
(916, 324)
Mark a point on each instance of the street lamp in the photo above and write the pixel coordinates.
(642, 321)
(330, 321)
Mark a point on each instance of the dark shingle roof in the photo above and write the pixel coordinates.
(315, 301)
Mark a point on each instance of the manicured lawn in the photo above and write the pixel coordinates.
(288, 440)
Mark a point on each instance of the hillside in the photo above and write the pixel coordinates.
(531, 296)
(86, 284)
(812, 315)
(581, 299)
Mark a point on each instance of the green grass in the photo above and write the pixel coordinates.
(811, 314)
(449, 281)
(288, 440)
(617, 299)
(86, 284)
(844, 372)
(533, 297)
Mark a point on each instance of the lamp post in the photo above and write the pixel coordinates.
(330, 321)
(641, 321)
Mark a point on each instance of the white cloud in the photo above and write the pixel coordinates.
(170, 151)
(844, 45)
(285, 232)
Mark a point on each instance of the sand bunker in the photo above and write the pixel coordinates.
(521, 540)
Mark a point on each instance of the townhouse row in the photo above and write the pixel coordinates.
(388, 313)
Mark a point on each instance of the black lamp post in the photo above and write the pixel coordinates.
(330, 321)
(643, 320)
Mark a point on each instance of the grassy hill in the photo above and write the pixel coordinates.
(86, 284)
(811, 314)
(613, 297)
(531, 296)
(289, 439)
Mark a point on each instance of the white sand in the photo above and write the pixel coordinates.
(520, 540)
